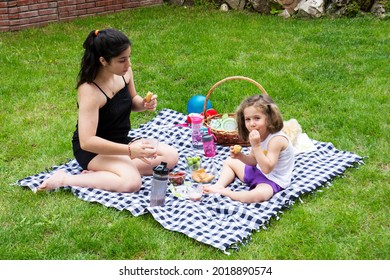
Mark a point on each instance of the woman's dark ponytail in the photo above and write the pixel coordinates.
(106, 43)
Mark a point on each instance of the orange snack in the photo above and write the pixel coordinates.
(201, 176)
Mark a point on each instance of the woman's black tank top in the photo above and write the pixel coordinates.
(114, 117)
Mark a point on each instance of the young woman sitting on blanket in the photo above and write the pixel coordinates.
(106, 97)
(267, 169)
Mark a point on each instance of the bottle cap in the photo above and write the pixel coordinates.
(205, 130)
(196, 120)
(161, 169)
(207, 138)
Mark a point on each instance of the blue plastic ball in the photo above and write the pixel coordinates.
(196, 103)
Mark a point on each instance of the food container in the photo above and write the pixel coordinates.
(177, 178)
(193, 163)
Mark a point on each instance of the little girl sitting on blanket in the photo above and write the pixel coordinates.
(106, 97)
(268, 167)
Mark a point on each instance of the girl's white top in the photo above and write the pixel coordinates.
(282, 172)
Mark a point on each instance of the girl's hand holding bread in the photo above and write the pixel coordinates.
(235, 150)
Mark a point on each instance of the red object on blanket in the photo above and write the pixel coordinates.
(210, 112)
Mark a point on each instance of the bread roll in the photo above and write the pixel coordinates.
(148, 97)
(237, 149)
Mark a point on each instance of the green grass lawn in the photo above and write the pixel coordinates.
(332, 75)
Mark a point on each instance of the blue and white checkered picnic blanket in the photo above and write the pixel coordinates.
(215, 220)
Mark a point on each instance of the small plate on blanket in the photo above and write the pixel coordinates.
(180, 191)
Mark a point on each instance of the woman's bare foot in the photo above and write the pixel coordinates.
(55, 181)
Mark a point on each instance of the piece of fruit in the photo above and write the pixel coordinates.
(193, 160)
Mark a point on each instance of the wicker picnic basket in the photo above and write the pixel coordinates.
(224, 137)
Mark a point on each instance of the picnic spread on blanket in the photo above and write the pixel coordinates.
(212, 219)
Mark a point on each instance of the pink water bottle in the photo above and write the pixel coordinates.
(208, 145)
(197, 134)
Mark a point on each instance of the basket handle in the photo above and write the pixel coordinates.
(229, 79)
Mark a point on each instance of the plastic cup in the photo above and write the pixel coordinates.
(193, 163)
(195, 192)
(153, 143)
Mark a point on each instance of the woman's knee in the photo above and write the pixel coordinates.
(171, 156)
(130, 185)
